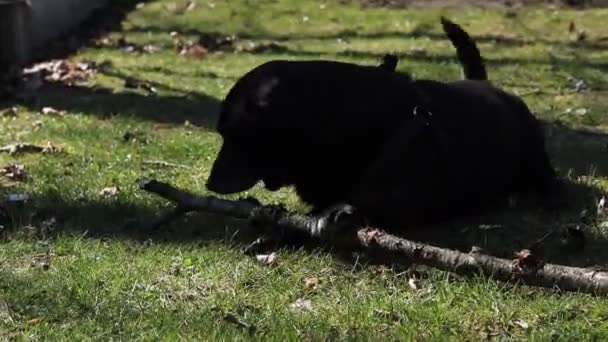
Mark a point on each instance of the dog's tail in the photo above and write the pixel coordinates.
(466, 50)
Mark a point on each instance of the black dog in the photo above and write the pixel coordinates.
(349, 135)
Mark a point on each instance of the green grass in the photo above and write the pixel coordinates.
(71, 267)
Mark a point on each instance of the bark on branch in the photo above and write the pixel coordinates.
(524, 268)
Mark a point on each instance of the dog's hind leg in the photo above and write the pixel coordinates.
(540, 176)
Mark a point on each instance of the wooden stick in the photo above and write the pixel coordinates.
(525, 268)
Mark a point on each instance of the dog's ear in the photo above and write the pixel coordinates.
(248, 106)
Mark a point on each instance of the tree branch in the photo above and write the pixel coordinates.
(524, 268)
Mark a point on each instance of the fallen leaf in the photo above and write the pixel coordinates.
(580, 85)
(301, 305)
(581, 111)
(62, 70)
(34, 320)
(191, 49)
(109, 191)
(522, 324)
(412, 284)
(14, 172)
(266, 259)
(51, 149)
(311, 283)
(52, 111)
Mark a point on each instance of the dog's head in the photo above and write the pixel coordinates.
(252, 135)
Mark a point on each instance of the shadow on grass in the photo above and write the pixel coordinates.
(104, 103)
(499, 233)
(423, 30)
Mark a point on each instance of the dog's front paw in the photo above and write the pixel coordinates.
(338, 219)
(338, 212)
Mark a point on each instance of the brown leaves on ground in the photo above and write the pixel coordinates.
(301, 305)
(526, 263)
(135, 48)
(60, 70)
(191, 49)
(30, 148)
(311, 284)
(14, 172)
(50, 111)
(267, 259)
(110, 191)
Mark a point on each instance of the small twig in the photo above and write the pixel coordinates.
(162, 163)
(525, 268)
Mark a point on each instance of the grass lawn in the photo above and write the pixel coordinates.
(72, 268)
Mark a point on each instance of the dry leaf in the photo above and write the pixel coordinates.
(266, 259)
(195, 50)
(580, 85)
(52, 111)
(311, 283)
(109, 191)
(51, 149)
(34, 320)
(14, 172)
(64, 71)
(522, 324)
(301, 305)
